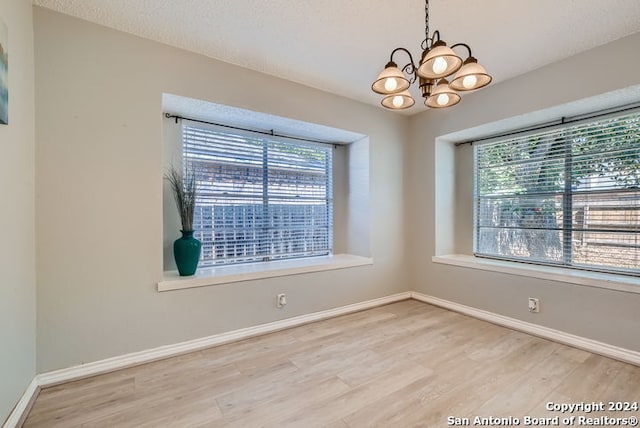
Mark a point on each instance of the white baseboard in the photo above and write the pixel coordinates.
(120, 362)
(136, 358)
(16, 416)
(600, 348)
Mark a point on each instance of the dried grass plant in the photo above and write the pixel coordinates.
(183, 187)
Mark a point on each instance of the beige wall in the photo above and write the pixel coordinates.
(439, 178)
(17, 245)
(99, 191)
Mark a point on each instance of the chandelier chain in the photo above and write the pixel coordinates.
(426, 21)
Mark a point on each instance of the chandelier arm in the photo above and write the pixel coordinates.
(435, 37)
(409, 68)
(463, 44)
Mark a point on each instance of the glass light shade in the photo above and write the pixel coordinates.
(439, 62)
(390, 80)
(471, 76)
(442, 96)
(398, 101)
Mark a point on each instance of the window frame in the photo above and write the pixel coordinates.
(267, 140)
(567, 194)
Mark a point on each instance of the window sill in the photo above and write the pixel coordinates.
(608, 281)
(251, 271)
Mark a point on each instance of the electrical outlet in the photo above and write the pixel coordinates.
(281, 300)
(534, 304)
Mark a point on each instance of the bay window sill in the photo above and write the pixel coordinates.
(629, 284)
(252, 271)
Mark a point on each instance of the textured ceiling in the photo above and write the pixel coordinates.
(340, 46)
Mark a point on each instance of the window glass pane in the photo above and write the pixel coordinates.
(617, 251)
(259, 198)
(566, 196)
(530, 245)
(299, 219)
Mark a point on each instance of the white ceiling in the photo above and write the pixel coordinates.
(340, 46)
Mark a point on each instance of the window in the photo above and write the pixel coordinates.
(259, 198)
(566, 196)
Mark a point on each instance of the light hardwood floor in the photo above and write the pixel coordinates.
(407, 364)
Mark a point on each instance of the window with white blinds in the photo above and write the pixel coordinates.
(567, 196)
(259, 197)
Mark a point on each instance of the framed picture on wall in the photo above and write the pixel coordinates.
(4, 66)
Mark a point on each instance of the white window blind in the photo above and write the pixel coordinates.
(259, 198)
(568, 196)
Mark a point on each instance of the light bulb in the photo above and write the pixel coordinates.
(439, 65)
(469, 81)
(397, 101)
(442, 100)
(390, 84)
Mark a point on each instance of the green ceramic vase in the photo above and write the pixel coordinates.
(186, 251)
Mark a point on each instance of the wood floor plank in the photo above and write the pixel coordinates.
(285, 404)
(408, 364)
(333, 410)
(392, 410)
(592, 379)
(536, 383)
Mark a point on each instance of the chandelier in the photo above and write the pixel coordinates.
(436, 64)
